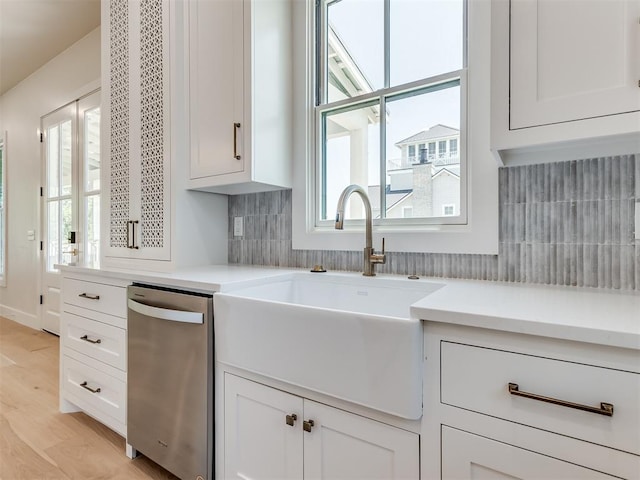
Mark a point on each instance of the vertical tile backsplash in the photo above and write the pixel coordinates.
(567, 223)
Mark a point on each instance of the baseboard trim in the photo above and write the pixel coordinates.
(23, 318)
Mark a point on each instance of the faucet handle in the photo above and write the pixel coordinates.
(378, 257)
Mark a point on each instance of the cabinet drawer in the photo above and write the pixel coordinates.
(111, 397)
(477, 379)
(96, 297)
(95, 339)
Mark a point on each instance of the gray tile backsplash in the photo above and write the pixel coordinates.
(567, 223)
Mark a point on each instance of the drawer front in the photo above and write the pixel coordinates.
(95, 339)
(111, 397)
(478, 379)
(98, 297)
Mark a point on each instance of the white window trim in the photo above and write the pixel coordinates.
(479, 235)
(3, 212)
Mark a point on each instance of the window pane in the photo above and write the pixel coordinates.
(426, 38)
(53, 236)
(427, 183)
(65, 154)
(53, 161)
(351, 148)
(67, 226)
(355, 50)
(92, 150)
(92, 231)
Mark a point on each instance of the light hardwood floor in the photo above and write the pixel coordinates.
(36, 440)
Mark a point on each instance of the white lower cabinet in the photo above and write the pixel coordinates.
(502, 405)
(466, 456)
(93, 348)
(273, 434)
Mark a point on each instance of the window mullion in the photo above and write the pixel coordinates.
(387, 43)
(383, 156)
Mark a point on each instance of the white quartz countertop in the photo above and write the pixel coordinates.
(209, 278)
(602, 317)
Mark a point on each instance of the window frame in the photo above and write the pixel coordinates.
(3, 209)
(479, 235)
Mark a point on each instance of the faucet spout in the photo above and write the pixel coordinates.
(370, 257)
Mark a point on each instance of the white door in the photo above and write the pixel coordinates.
(467, 456)
(345, 446)
(262, 432)
(71, 190)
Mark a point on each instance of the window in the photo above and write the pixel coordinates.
(448, 210)
(3, 202)
(475, 227)
(374, 103)
(453, 147)
(407, 212)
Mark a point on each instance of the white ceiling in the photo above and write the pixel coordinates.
(32, 32)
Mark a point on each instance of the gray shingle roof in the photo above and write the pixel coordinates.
(437, 131)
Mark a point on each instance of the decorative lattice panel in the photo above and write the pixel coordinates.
(152, 123)
(119, 107)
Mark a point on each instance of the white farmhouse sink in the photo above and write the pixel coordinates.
(344, 335)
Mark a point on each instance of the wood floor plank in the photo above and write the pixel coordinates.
(36, 440)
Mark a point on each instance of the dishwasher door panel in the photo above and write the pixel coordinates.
(170, 380)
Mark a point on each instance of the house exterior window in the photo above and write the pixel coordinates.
(383, 120)
(453, 147)
(448, 210)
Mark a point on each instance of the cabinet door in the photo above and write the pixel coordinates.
(469, 456)
(259, 444)
(136, 129)
(345, 446)
(573, 60)
(216, 87)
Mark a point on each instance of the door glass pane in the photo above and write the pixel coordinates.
(92, 231)
(92, 150)
(351, 155)
(65, 158)
(355, 50)
(66, 226)
(431, 180)
(426, 38)
(53, 161)
(53, 235)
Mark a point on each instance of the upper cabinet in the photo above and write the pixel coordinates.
(240, 89)
(566, 76)
(148, 215)
(136, 128)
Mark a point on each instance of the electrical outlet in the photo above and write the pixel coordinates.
(238, 227)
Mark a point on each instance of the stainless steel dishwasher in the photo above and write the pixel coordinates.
(170, 379)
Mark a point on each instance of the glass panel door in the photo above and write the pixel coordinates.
(89, 122)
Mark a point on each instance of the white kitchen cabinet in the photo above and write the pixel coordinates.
(466, 456)
(506, 405)
(240, 83)
(93, 348)
(148, 217)
(565, 76)
(273, 434)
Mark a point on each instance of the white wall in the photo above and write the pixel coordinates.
(73, 73)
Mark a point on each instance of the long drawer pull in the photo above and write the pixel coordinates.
(87, 339)
(90, 296)
(605, 408)
(87, 387)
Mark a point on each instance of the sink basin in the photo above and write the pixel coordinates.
(343, 335)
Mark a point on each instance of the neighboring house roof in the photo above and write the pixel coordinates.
(446, 170)
(392, 197)
(437, 131)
